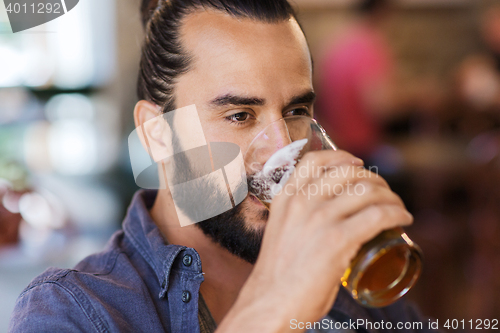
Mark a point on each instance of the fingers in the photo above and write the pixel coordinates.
(350, 234)
(361, 196)
(315, 164)
(322, 177)
(349, 205)
(338, 192)
(367, 223)
(330, 157)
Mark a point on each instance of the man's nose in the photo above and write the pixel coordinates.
(278, 135)
(274, 137)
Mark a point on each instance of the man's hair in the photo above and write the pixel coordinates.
(372, 6)
(163, 58)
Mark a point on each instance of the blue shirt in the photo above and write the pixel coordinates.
(138, 283)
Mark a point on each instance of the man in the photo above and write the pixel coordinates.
(243, 64)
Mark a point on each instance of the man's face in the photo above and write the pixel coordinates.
(245, 74)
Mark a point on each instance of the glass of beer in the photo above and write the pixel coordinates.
(386, 267)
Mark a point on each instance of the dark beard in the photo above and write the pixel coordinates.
(230, 231)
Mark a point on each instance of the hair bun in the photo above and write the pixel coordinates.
(147, 9)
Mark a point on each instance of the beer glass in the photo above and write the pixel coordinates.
(386, 267)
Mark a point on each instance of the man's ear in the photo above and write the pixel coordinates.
(153, 130)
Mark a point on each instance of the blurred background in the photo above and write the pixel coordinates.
(411, 86)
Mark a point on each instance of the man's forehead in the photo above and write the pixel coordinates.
(218, 32)
(244, 58)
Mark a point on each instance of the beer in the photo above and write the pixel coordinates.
(384, 269)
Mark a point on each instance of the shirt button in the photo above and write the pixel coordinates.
(186, 296)
(187, 260)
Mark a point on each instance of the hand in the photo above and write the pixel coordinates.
(312, 235)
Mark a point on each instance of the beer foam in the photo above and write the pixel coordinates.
(276, 171)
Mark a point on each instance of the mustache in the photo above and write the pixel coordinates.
(259, 183)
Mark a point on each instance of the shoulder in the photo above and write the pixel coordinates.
(77, 299)
(50, 303)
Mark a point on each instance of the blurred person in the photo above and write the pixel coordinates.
(478, 92)
(9, 221)
(358, 91)
(242, 63)
(479, 74)
(476, 105)
(478, 83)
(490, 30)
(13, 184)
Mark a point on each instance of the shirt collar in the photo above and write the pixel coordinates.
(140, 228)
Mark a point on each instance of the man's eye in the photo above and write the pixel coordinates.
(239, 117)
(298, 112)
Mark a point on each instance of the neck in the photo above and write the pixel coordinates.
(225, 273)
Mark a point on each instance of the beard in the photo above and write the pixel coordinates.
(232, 231)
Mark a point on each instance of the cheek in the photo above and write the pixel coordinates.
(217, 132)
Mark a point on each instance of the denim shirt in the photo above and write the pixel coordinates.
(138, 283)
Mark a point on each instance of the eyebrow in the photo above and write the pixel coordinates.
(307, 98)
(230, 99)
